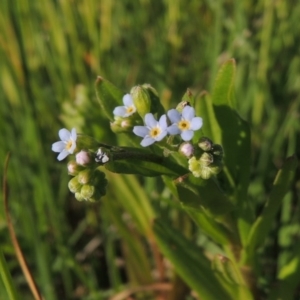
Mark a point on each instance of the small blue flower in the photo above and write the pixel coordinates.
(67, 144)
(127, 110)
(154, 131)
(184, 123)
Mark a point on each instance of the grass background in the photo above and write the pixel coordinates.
(50, 55)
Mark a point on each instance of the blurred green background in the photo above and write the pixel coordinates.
(51, 53)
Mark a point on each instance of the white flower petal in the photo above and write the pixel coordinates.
(174, 115)
(196, 123)
(188, 113)
(73, 135)
(187, 135)
(161, 136)
(173, 129)
(147, 141)
(64, 134)
(127, 100)
(63, 155)
(120, 111)
(58, 146)
(141, 131)
(150, 120)
(163, 122)
(73, 147)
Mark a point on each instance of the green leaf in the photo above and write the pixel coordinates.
(208, 225)
(109, 96)
(235, 132)
(196, 192)
(5, 277)
(236, 141)
(264, 222)
(190, 263)
(144, 163)
(288, 278)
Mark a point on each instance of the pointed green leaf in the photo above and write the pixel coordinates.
(143, 163)
(264, 222)
(236, 141)
(208, 225)
(235, 132)
(196, 192)
(109, 96)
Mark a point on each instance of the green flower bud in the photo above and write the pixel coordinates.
(216, 167)
(205, 144)
(195, 166)
(156, 106)
(206, 159)
(73, 168)
(87, 191)
(217, 150)
(182, 105)
(205, 172)
(141, 100)
(98, 194)
(204, 167)
(121, 124)
(85, 176)
(188, 97)
(74, 185)
(79, 197)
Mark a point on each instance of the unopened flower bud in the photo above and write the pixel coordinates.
(216, 168)
(217, 150)
(83, 158)
(205, 144)
(188, 97)
(141, 100)
(205, 172)
(74, 185)
(121, 124)
(206, 159)
(194, 166)
(84, 176)
(79, 197)
(182, 105)
(156, 106)
(87, 191)
(73, 168)
(186, 149)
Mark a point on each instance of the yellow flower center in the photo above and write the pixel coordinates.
(154, 132)
(130, 110)
(69, 145)
(184, 125)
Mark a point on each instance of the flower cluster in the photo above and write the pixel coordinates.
(210, 160)
(88, 182)
(204, 161)
(183, 123)
(138, 116)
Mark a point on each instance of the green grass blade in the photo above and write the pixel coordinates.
(264, 222)
(7, 280)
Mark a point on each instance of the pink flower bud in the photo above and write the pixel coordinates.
(83, 158)
(186, 149)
